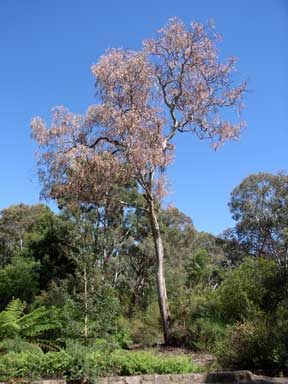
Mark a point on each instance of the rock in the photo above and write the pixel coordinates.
(162, 379)
(133, 379)
(229, 377)
(49, 382)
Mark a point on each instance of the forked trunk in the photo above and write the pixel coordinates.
(161, 284)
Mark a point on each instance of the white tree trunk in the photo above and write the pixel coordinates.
(161, 284)
(85, 303)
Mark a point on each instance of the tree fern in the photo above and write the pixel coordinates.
(16, 325)
(38, 322)
(9, 319)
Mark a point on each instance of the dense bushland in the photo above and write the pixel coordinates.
(77, 290)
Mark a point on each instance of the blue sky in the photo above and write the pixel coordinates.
(47, 48)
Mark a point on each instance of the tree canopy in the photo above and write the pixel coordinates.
(259, 206)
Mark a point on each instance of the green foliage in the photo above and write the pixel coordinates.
(51, 244)
(103, 308)
(123, 333)
(205, 333)
(146, 327)
(36, 365)
(254, 344)
(201, 312)
(17, 344)
(20, 279)
(250, 345)
(87, 363)
(248, 290)
(201, 270)
(197, 323)
(106, 310)
(35, 245)
(99, 264)
(199, 334)
(25, 364)
(9, 319)
(31, 326)
(260, 207)
(133, 363)
(56, 364)
(16, 223)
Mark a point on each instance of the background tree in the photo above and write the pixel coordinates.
(19, 279)
(135, 263)
(41, 258)
(16, 222)
(51, 243)
(93, 297)
(176, 83)
(260, 207)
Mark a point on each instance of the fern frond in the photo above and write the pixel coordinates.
(37, 322)
(15, 308)
(9, 318)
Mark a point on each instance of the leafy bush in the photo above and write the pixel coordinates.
(17, 344)
(250, 345)
(200, 334)
(123, 332)
(146, 327)
(182, 337)
(87, 363)
(248, 291)
(103, 311)
(19, 279)
(132, 363)
(26, 364)
(206, 333)
(198, 326)
(57, 364)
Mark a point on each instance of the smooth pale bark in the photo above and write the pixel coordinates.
(85, 303)
(161, 284)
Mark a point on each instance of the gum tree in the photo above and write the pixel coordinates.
(175, 84)
(259, 205)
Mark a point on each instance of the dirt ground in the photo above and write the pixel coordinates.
(203, 359)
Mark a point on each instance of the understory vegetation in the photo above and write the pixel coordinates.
(78, 293)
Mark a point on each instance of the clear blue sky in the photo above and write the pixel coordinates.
(47, 48)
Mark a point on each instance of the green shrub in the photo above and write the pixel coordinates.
(200, 334)
(248, 291)
(26, 364)
(146, 327)
(249, 345)
(103, 311)
(133, 363)
(280, 333)
(182, 337)
(206, 333)
(17, 344)
(87, 363)
(123, 333)
(57, 364)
